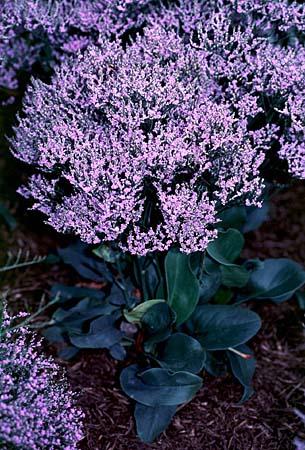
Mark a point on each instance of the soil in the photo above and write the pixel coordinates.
(213, 420)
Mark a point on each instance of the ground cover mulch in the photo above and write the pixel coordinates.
(213, 420)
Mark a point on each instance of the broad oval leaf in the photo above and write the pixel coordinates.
(234, 276)
(234, 217)
(65, 293)
(78, 256)
(182, 285)
(218, 327)
(255, 217)
(182, 353)
(155, 387)
(137, 313)
(158, 318)
(243, 369)
(227, 247)
(152, 420)
(277, 280)
(102, 334)
(209, 285)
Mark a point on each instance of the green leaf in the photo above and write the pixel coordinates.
(54, 334)
(102, 334)
(68, 352)
(223, 296)
(66, 293)
(117, 351)
(182, 353)
(277, 280)
(157, 322)
(218, 327)
(243, 369)
(255, 217)
(234, 276)
(227, 247)
(137, 313)
(158, 318)
(209, 285)
(234, 217)
(215, 364)
(182, 285)
(72, 319)
(80, 257)
(155, 387)
(152, 420)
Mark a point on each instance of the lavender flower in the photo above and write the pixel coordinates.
(41, 32)
(136, 146)
(37, 409)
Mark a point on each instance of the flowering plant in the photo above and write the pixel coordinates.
(161, 147)
(37, 409)
(37, 34)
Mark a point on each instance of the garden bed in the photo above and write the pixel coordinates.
(213, 419)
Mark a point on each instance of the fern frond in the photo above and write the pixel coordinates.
(22, 259)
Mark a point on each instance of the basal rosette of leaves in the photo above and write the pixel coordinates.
(175, 316)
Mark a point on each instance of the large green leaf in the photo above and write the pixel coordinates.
(157, 322)
(158, 318)
(234, 276)
(234, 217)
(155, 387)
(182, 285)
(182, 353)
(227, 247)
(255, 217)
(209, 285)
(152, 420)
(243, 369)
(102, 334)
(215, 364)
(218, 327)
(79, 256)
(138, 312)
(277, 280)
(65, 293)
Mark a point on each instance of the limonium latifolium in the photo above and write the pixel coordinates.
(144, 144)
(35, 34)
(37, 408)
(138, 146)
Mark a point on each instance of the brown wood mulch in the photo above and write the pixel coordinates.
(213, 420)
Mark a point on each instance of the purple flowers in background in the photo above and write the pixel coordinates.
(37, 409)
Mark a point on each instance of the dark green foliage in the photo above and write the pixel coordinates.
(152, 420)
(276, 280)
(186, 320)
(182, 352)
(218, 327)
(156, 387)
(182, 285)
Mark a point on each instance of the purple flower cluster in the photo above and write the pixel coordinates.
(134, 148)
(43, 31)
(144, 145)
(37, 409)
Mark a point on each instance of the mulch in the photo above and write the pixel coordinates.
(213, 420)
